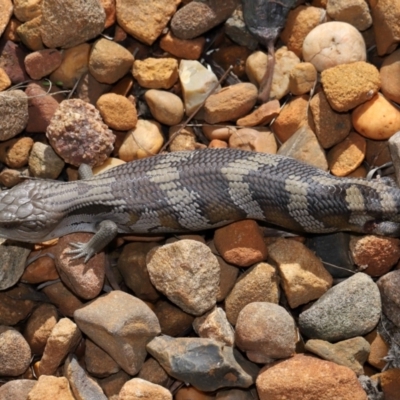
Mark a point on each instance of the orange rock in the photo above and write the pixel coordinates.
(263, 115)
(109, 8)
(379, 349)
(390, 383)
(256, 139)
(6, 7)
(15, 152)
(5, 81)
(41, 270)
(181, 48)
(218, 144)
(232, 55)
(156, 73)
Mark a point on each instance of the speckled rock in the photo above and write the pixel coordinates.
(388, 286)
(156, 73)
(17, 389)
(181, 48)
(302, 78)
(349, 85)
(109, 61)
(30, 34)
(5, 81)
(390, 76)
(354, 12)
(71, 22)
(351, 308)
(78, 134)
(13, 113)
(150, 17)
(44, 162)
(187, 273)
(185, 140)
(42, 63)
(137, 388)
(12, 61)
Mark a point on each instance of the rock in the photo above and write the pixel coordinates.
(26, 10)
(181, 48)
(117, 111)
(303, 275)
(166, 107)
(185, 393)
(303, 145)
(137, 388)
(265, 331)
(64, 338)
(257, 139)
(143, 141)
(389, 382)
(117, 321)
(187, 273)
(197, 83)
(218, 132)
(90, 90)
(71, 22)
(82, 385)
(111, 162)
(6, 7)
(110, 10)
(13, 113)
(156, 73)
(351, 308)
(78, 134)
(73, 66)
(331, 127)
(390, 76)
(263, 115)
(386, 30)
(378, 350)
(234, 56)
(241, 243)
(30, 34)
(310, 378)
(41, 270)
(97, 362)
(196, 18)
(218, 366)
(235, 394)
(377, 118)
(300, 21)
(51, 387)
(351, 353)
(354, 12)
(334, 43)
(185, 140)
(388, 286)
(15, 352)
(16, 389)
(5, 81)
(302, 78)
(39, 327)
(258, 284)
(375, 255)
(112, 385)
(44, 162)
(349, 85)
(150, 18)
(42, 63)
(12, 61)
(15, 152)
(347, 156)
(214, 325)
(291, 118)
(11, 177)
(154, 373)
(109, 61)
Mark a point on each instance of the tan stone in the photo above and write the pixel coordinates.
(354, 12)
(390, 76)
(232, 56)
(156, 73)
(110, 162)
(110, 10)
(263, 115)
(219, 132)
(376, 119)
(302, 78)
(51, 387)
(379, 349)
(137, 388)
(186, 139)
(5, 81)
(15, 152)
(30, 34)
(255, 139)
(6, 7)
(181, 48)
(41, 270)
(166, 107)
(349, 85)
(348, 155)
(217, 144)
(192, 393)
(389, 382)
(26, 10)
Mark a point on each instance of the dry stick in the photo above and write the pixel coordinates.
(266, 82)
(196, 110)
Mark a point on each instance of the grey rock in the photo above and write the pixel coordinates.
(17, 389)
(13, 113)
(12, 61)
(44, 162)
(389, 286)
(351, 308)
(236, 29)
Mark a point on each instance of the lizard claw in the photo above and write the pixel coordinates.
(81, 250)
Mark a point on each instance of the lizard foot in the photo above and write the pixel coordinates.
(81, 250)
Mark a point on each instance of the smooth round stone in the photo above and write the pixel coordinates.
(390, 76)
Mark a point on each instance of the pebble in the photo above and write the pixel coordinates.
(113, 384)
(13, 113)
(234, 56)
(150, 18)
(389, 382)
(186, 139)
(51, 387)
(7, 11)
(331, 127)
(258, 284)
(241, 243)
(42, 63)
(117, 111)
(41, 270)
(109, 61)
(217, 367)
(378, 350)
(197, 83)
(5, 81)
(355, 12)
(351, 308)
(349, 85)
(70, 23)
(310, 378)
(389, 73)
(90, 90)
(166, 107)
(389, 288)
(11, 177)
(78, 135)
(15, 352)
(375, 255)
(257, 139)
(263, 115)
(333, 43)
(303, 276)
(181, 48)
(196, 18)
(15, 305)
(302, 78)
(230, 103)
(304, 146)
(347, 156)
(15, 152)
(63, 339)
(39, 327)
(143, 141)
(187, 273)
(98, 363)
(17, 389)
(137, 388)
(215, 325)
(218, 132)
(236, 29)
(376, 119)
(73, 66)
(265, 331)
(12, 61)
(351, 353)
(154, 373)
(30, 34)
(300, 21)
(110, 10)
(117, 321)
(156, 73)
(44, 162)
(111, 162)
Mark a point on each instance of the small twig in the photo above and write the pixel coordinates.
(191, 116)
(266, 82)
